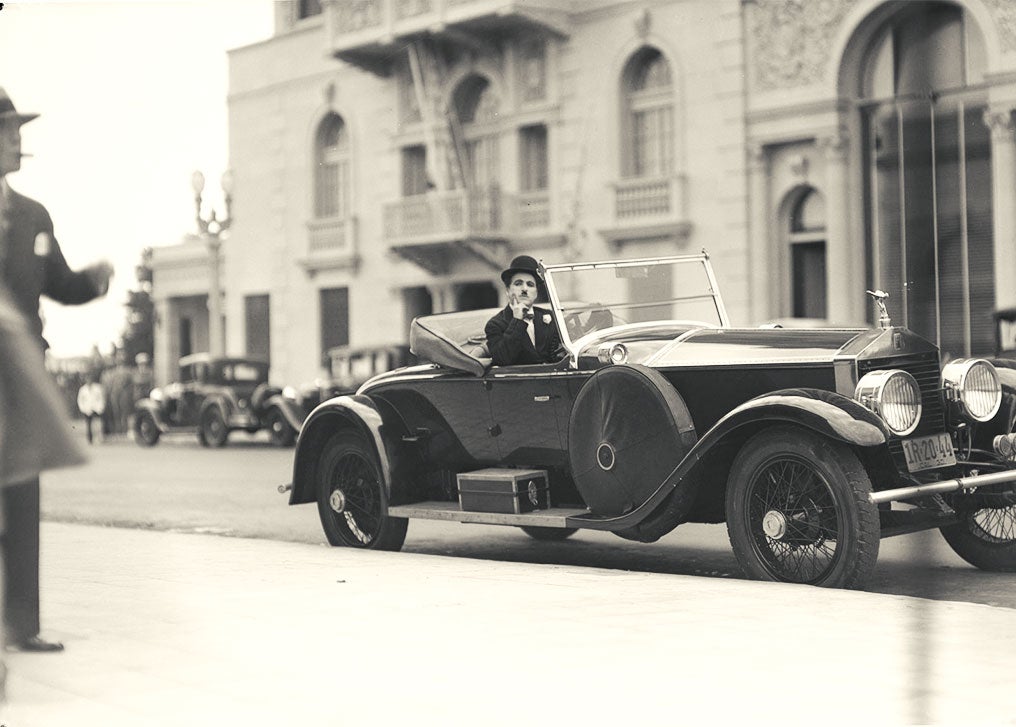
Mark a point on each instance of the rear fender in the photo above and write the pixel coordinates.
(355, 413)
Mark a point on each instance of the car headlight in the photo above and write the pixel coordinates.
(289, 392)
(156, 395)
(894, 395)
(615, 353)
(973, 385)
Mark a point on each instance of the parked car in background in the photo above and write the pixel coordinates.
(213, 397)
(348, 368)
(810, 444)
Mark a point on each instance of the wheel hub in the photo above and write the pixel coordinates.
(337, 501)
(774, 524)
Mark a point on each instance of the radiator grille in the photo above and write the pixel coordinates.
(924, 367)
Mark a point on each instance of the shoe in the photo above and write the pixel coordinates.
(35, 644)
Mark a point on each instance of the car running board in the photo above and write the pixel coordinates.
(554, 517)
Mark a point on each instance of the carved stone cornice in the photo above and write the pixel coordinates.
(1001, 123)
(792, 40)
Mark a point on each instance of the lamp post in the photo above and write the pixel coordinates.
(214, 230)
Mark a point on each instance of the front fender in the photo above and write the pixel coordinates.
(155, 409)
(355, 412)
(218, 401)
(827, 413)
(290, 410)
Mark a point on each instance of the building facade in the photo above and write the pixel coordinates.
(391, 156)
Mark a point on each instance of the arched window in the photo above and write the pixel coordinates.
(927, 155)
(648, 125)
(331, 188)
(477, 108)
(807, 239)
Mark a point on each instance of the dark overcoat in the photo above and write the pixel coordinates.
(509, 344)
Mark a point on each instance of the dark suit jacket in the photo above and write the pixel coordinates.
(28, 275)
(508, 340)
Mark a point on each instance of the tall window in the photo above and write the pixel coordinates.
(414, 171)
(334, 318)
(477, 108)
(257, 317)
(808, 256)
(648, 128)
(331, 197)
(533, 158)
(307, 8)
(928, 159)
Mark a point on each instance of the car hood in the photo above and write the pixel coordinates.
(730, 346)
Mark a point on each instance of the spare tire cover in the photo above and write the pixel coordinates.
(629, 430)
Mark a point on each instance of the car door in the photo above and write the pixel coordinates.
(530, 407)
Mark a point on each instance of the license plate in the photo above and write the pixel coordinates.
(925, 453)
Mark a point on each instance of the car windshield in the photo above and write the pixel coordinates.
(592, 297)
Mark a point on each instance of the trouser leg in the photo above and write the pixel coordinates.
(88, 426)
(21, 560)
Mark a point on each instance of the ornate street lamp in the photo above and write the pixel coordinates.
(214, 230)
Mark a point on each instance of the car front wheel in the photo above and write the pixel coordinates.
(146, 430)
(279, 431)
(798, 511)
(352, 501)
(213, 428)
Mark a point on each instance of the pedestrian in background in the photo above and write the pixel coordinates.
(91, 403)
(31, 265)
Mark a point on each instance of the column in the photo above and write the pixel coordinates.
(215, 332)
(845, 297)
(1003, 182)
(165, 352)
(762, 304)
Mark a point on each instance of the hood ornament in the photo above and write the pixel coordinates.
(879, 296)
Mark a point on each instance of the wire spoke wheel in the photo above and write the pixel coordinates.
(352, 501)
(798, 510)
(794, 522)
(985, 538)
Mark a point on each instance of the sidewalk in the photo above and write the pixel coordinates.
(173, 629)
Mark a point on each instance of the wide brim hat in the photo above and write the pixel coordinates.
(9, 113)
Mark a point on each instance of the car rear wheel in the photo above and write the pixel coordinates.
(352, 501)
(798, 511)
(985, 538)
(279, 431)
(549, 534)
(213, 428)
(146, 430)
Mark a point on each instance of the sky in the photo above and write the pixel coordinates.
(132, 97)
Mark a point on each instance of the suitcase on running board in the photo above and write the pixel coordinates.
(507, 491)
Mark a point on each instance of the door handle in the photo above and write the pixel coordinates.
(543, 398)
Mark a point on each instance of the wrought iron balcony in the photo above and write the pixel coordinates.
(362, 32)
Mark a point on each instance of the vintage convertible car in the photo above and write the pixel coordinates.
(214, 396)
(811, 444)
(348, 368)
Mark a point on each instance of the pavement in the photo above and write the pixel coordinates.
(165, 628)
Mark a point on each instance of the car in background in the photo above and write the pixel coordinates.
(811, 444)
(348, 368)
(212, 397)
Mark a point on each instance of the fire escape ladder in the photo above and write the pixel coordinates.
(444, 160)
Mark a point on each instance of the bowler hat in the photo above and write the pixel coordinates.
(9, 113)
(522, 264)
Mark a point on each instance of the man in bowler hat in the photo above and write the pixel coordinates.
(518, 334)
(31, 265)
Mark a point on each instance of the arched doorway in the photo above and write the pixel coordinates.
(927, 174)
(806, 242)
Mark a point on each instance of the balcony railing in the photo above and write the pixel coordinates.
(534, 211)
(649, 197)
(450, 216)
(331, 243)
